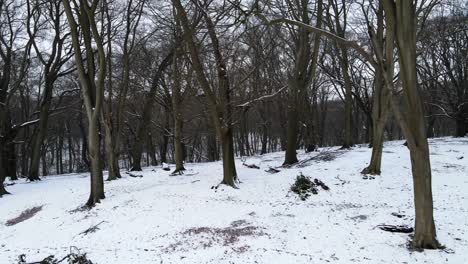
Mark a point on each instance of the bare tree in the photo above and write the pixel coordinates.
(52, 60)
(91, 81)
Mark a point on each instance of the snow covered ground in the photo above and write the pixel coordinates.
(181, 219)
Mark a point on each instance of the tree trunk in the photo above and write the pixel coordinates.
(381, 97)
(229, 166)
(425, 233)
(3, 191)
(461, 127)
(69, 148)
(97, 182)
(264, 138)
(292, 130)
(137, 152)
(377, 148)
(112, 161)
(41, 131)
(111, 153)
(178, 121)
(400, 15)
(152, 150)
(347, 137)
(11, 161)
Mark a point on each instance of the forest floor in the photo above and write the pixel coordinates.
(181, 219)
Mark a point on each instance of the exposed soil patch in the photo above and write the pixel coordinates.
(25, 215)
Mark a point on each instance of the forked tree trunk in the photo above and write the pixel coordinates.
(220, 105)
(400, 14)
(383, 44)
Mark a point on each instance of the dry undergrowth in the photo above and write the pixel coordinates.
(25, 215)
(206, 237)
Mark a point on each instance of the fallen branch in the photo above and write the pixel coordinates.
(92, 229)
(134, 175)
(396, 229)
(272, 170)
(251, 166)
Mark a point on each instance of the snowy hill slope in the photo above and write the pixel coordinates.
(180, 219)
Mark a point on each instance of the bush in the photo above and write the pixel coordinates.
(304, 186)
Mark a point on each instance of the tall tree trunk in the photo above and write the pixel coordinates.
(400, 15)
(383, 44)
(176, 110)
(347, 137)
(41, 130)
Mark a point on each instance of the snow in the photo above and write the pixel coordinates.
(161, 218)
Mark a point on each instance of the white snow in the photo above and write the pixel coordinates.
(146, 220)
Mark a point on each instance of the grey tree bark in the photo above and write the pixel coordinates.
(91, 81)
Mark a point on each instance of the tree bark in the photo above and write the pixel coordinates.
(220, 106)
(92, 82)
(401, 16)
(229, 166)
(97, 182)
(137, 149)
(178, 121)
(41, 131)
(461, 127)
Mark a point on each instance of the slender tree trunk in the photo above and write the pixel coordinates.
(69, 148)
(176, 100)
(347, 139)
(264, 138)
(381, 97)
